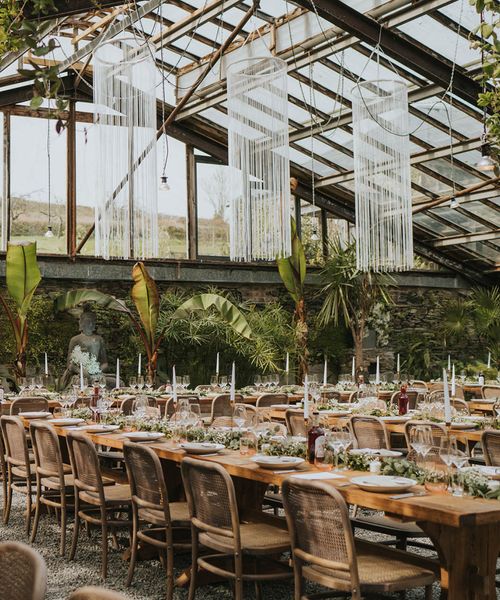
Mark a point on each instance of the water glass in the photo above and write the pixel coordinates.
(248, 443)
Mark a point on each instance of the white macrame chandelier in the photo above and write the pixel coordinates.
(259, 159)
(384, 236)
(125, 119)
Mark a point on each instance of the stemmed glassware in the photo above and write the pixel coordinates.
(240, 415)
(140, 383)
(149, 383)
(132, 383)
(421, 440)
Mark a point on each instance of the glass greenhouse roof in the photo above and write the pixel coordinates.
(327, 51)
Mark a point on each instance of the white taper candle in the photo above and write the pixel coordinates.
(453, 385)
(306, 397)
(174, 385)
(325, 372)
(81, 378)
(117, 385)
(377, 373)
(233, 383)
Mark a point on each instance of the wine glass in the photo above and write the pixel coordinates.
(196, 415)
(149, 383)
(23, 385)
(140, 406)
(223, 382)
(239, 415)
(132, 383)
(140, 382)
(335, 443)
(214, 382)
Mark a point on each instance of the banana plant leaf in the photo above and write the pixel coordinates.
(229, 312)
(22, 275)
(292, 269)
(76, 297)
(146, 299)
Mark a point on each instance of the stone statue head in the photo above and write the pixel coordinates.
(88, 321)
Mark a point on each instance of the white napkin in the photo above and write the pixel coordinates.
(317, 476)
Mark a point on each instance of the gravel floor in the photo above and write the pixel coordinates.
(65, 576)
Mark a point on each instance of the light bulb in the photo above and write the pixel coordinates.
(485, 163)
(314, 235)
(454, 202)
(49, 233)
(164, 187)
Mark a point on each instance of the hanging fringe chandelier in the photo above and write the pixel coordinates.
(259, 159)
(125, 119)
(384, 236)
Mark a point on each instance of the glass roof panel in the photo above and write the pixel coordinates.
(428, 182)
(484, 212)
(444, 167)
(467, 14)
(483, 250)
(436, 227)
(458, 218)
(448, 114)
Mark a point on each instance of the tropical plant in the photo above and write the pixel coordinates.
(22, 277)
(146, 300)
(292, 271)
(478, 313)
(350, 295)
(269, 324)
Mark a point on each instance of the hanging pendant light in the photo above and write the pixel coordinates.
(454, 202)
(485, 163)
(125, 119)
(384, 236)
(164, 187)
(49, 233)
(257, 102)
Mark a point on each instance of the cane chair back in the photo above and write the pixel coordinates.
(438, 432)
(490, 392)
(437, 386)
(127, 404)
(460, 405)
(369, 432)
(95, 593)
(85, 464)
(23, 574)
(412, 398)
(147, 482)
(16, 444)
(353, 396)
(221, 405)
(490, 440)
(419, 384)
(170, 405)
(20, 405)
(295, 422)
(331, 395)
(320, 530)
(48, 458)
(267, 400)
(211, 499)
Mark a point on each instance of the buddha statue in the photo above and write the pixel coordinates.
(88, 342)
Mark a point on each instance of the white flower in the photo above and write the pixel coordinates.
(87, 360)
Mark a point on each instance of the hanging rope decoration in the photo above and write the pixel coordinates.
(384, 237)
(125, 118)
(259, 159)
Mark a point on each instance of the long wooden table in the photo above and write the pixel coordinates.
(465, 531)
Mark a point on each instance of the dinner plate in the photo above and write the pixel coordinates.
(378, 452)
(463, 425)
(277, 462)
(35, 415)
(202, 447)
(383, 483)
(65, 422)
(100, 428)
(280, 406)
(335, 413)
(143, 436)
(395, 419)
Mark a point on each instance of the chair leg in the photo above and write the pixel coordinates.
(238, 583)
(37, 510)
(194, 564)
(28, 507)
(133, 553)
(170, 573)
(104, 543)
(64, 514)
(428, 592)
(76, 527)
(8, 505)
(298, 581)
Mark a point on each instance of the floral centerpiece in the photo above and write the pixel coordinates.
(89, 362)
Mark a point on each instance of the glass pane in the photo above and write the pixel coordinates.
(458, 218)
(339, 229)
(33, 208)
(3, 204)
(212, 198)
(86, 151)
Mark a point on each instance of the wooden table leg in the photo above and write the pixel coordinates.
(468, 557)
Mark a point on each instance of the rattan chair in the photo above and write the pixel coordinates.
(35, 404)
(460, 405)
(331, 395)
(222, 407)
(23, 574)
(267, 400)
(490, 441)
(215, 525)
(169, 409)
(54, 481)
(419, 384)
(128, 403)
(490, 392)
(150, 505)
(102, 505)
(295, 422)
(369, 432)
(95, 593)
(324, 550)
(412, 398)
(19, 468)
(353, 397)
(3, 473)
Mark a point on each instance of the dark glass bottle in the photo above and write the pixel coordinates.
(313, 433)
(403, 401)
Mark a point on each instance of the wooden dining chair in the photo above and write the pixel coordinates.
(170, 404)
(215, 524)
(35, 404)
(412, 398)
(325, 552)
(95, 593)
(20, 476)
(295, 422)
(127, 404)
(460, 405)
(95, 503)
(221, 406)
(151, 507)
(369, 432)
(54, 481)
(419, 384)
(490, 441)
(490, 392)
(3, 473)
(23, 573)
(267, 400)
